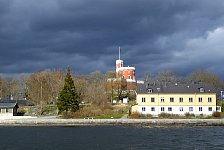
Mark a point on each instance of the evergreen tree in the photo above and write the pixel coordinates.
(68, 98)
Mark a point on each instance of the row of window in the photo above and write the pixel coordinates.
(181, 99)
(181, 109)
(6, 110)
(201, 90)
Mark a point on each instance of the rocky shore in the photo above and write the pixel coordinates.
(89, 121)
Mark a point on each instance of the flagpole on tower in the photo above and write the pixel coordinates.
(119, 53)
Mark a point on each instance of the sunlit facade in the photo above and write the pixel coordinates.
(176, 99)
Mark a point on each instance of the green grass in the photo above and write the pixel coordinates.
(115, 115)
(112, 116)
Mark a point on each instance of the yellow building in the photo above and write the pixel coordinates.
(193, 98)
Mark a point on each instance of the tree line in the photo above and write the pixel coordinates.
(43, 87)
(169, 76)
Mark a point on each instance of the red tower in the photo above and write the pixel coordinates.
(127, 73)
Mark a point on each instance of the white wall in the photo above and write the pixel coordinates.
(176, 110)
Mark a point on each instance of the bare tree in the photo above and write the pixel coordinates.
(111, 74)
(81, 86)
(205, 76)
(116, 87)
(10, 88)
(44, 86)
(1, 87)
(96, 91)
(167, 76)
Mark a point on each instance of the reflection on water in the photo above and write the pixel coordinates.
(111, 137)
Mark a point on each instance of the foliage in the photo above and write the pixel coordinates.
(137, 115)
(216, 114)
(132, 103)
(21, 112)
(188, 115)
(205, 76)
(69, 98)
(116, 87)
(170, 116)
(167, 76)
(99, 112)
(44, 86)
(222, 107)
(111, 74)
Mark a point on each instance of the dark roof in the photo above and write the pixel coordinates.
(175, 88)
(8, 105)
(19, 102)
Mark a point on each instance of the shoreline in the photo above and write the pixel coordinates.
(32, 121)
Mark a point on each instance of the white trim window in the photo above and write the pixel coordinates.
(171, 99)
(201, 89)
(152, 108)
(152, 99)
(200, 108)
(200, 99)
(209, 108)
(143, 109)
(169, 108)
(143, 99)
(181, 99)
(162, 100)
(181, 109)
(191, 109)
(162, 109)
(190, 100)
(209, 99)
(150, 90)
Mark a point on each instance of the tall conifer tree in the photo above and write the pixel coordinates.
(68, 99)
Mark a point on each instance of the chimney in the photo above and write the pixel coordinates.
(11, 97)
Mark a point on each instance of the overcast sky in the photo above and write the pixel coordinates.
(154, 35)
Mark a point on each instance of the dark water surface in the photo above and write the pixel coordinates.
(111, 138)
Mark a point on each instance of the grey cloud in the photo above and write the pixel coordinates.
(86, 34)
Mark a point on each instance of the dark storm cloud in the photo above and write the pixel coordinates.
(154, 35)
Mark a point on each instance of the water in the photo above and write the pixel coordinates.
(111, 138)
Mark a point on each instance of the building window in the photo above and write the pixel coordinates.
(162, 109)
(171, 99)
(143, 99)
(209, 99)
(181, 109)
(143, 108)
(200, 99)
(200, 108)
(201, 89)
(218, 108)
(190, 100)
(181, 100)
(190, 109)
(162, 100)
(209, 108)
(169, 108)
(149, 90)
(152, 99)
(7, 110)
(152, 108)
